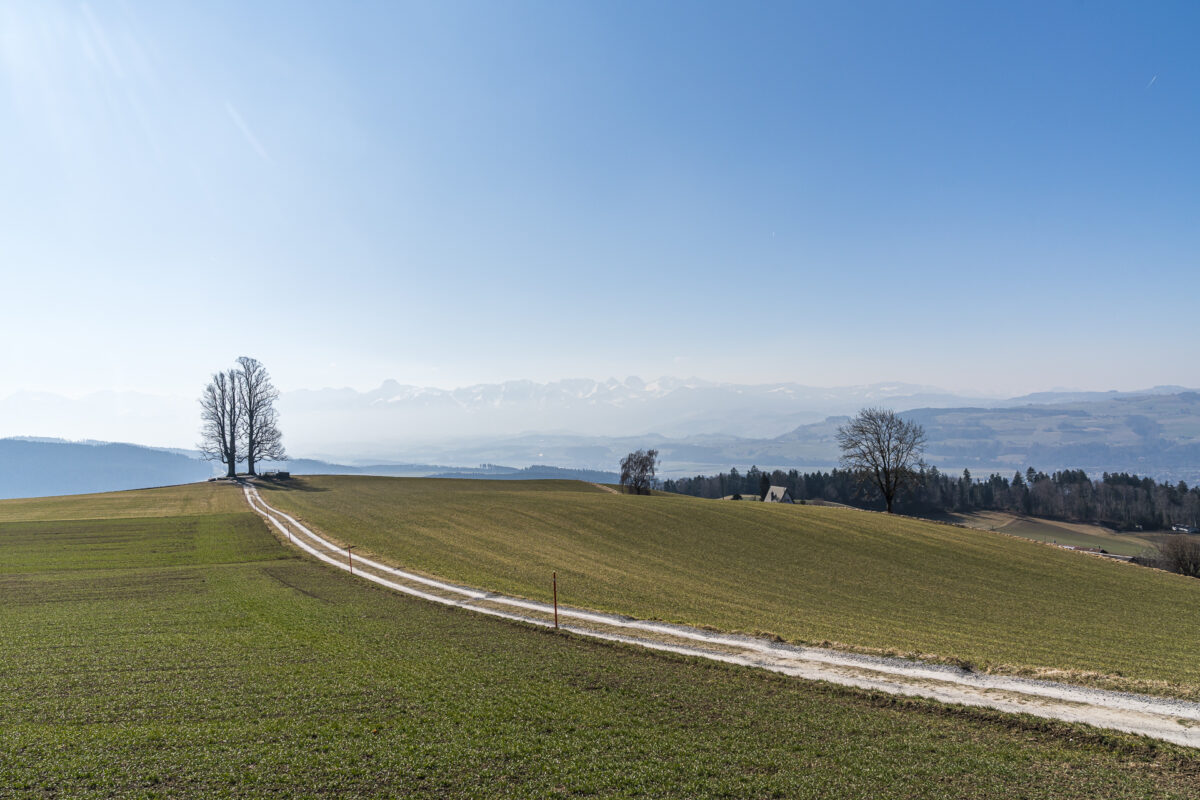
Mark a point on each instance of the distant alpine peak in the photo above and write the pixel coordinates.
(630, 403)
(584, 387)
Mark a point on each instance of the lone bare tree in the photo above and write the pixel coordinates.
(637, 470)
(256, 396)
(883, 449)
(223, 423)
(1179, 553)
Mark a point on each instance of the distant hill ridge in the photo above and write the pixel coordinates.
(42, 466)
(39, 468)
(383, 424)
(1155, 433)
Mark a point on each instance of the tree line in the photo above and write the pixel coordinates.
(239, 420)
(1119, 500)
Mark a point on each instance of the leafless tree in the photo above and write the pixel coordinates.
(1179, 553)
(637, 470)
(221, 415)
(256, 396)
(883, 449)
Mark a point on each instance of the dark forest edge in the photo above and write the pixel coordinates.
(1121, 501)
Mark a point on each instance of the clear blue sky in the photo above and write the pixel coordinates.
(997, 197)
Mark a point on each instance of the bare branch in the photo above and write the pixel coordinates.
(882, 448)
(256, 397)
(637, 470)
(222, 420)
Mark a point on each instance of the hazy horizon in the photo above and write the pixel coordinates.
(368, 386)
(333, 422)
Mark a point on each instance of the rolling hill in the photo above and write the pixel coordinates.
(1148, 434)
(41, 467)
(1151, 434)
(164, 644)
(857, 579)
(30, 468)
(704, 428)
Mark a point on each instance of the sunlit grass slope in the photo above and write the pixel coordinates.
(1057, 532)
(807, 574)
(196, 657)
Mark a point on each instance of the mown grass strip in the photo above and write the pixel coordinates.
(131, 542)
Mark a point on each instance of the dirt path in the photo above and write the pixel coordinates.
(1171, 720)
(608, 489)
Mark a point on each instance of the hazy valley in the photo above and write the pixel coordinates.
(698, 427)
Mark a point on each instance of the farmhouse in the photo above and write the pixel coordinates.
(777, 494)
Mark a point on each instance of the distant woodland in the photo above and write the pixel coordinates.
(1119, 500)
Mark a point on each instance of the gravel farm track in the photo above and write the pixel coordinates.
(1171, 720)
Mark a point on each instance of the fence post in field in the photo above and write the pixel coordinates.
(554, 583)
(350, 557)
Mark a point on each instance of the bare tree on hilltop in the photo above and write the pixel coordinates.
(257, 396)
(637, 470)
(883, 449)
(221, 414)
(240, 423)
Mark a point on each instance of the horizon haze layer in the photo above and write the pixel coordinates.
(396, 418)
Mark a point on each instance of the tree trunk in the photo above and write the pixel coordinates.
(250, 443)
(232, 455)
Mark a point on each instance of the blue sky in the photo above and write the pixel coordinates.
(992, 197)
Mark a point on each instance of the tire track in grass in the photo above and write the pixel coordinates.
(1171, 720)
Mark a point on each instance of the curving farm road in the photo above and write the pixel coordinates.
(1171, 720)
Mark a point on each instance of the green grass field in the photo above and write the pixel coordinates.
(195, 656)
(807, 574)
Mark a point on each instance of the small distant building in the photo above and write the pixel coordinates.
(777, 494)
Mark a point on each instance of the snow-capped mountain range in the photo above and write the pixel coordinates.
(668, 406)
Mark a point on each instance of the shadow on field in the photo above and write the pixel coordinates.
(292, 484)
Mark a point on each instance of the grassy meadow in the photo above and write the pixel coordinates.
(807, 574)
(192, 655)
